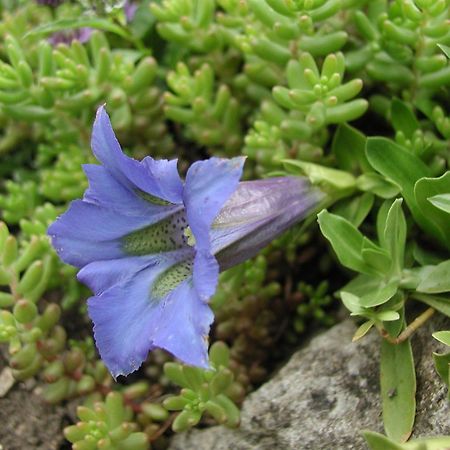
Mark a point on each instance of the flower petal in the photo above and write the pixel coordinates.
(105, 190)
(88, 232)
(129, 320)
(156, 178)
(209, 184)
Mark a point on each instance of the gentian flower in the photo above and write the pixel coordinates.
(150, 246)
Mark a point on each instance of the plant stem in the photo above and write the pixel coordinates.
(410, 329)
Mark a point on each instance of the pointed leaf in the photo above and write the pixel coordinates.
(377, 441)
(351, 302)
(437, 279)
(387, 316)
(398, 389)
(405, 169)
(441, 201)
(442, 363)
(362, 330)
(379, 296)
(394, 236)
(442, 336)
(346, 240)
(440, 304)
(445, 49)
(80, 22)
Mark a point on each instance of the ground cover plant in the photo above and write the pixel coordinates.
(313, 145)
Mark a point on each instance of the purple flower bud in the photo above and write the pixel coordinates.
(130, 7)
(67, 36)
(257, 213)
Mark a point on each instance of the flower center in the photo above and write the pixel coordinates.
(164, 236)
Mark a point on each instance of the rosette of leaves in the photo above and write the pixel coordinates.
(203, 391)
(397, 44)
(296, 123)
(107, 425)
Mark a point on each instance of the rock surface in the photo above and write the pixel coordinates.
(325, 395)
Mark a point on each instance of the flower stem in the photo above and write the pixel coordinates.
(410, 329)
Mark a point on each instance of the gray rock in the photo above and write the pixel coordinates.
(325, 395)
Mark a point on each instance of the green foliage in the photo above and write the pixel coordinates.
(313, 307)
(108, 425)
(204, 391)
(377, 441)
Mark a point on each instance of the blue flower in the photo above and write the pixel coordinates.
(150, 246)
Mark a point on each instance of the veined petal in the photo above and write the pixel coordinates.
(209, 184)
(87, 232)
(157, 178)
(105, 190)
(131, 318)
(257, 213)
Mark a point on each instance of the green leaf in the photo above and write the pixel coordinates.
(403, 119)
(376, 257)
(379, 296)
(352, 303)
(398, 389)
(346, 240)
(362, 330)
(356, 209)
(442, 363)
(387, 316)
(80, 22)
(441, 201)
(382, 219)
(442, 336)
(349, 148)
(394, 236)
(377, 441)
(336, 180)
(377, 184)
(440, 304)
(437, 280)
(426, 188)
(405, 169)
(362, 284)
(445, 49)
